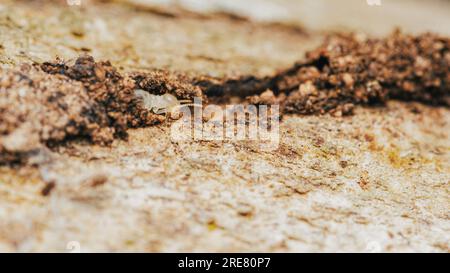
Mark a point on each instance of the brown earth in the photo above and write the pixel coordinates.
(344, 72)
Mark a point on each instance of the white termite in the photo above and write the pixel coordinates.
(160, 104)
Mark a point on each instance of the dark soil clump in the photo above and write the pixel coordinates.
(37, 108)
(349, 70)
(113, 93)
(56, 102)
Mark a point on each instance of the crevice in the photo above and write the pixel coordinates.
(92, 100)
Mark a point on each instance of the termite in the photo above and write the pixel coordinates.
(161, 104)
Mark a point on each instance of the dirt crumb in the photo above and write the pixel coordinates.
(159, 82)
(265, 98)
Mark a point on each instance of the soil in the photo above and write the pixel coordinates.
(346, 71)
(351, 69)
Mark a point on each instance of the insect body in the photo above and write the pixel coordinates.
(159, 104)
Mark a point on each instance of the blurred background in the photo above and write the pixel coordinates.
(149, 34)
(377, 17)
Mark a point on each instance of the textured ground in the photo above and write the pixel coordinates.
(374, 181)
